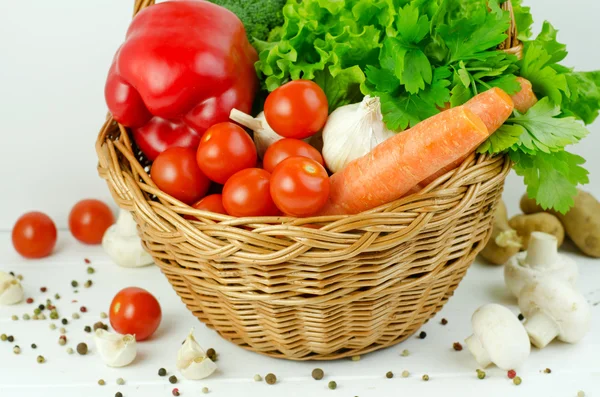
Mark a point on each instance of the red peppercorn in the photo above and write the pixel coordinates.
(50, 307)
(63, 337)
(83, 309)
(74, 301)
(87, 261)
(43, 289)
(175, 391)
(29, 300)
(511, 374)
(457, 346)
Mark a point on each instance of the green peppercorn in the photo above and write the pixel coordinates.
(87, 329)
(101, 382)
(82, 349)
(75, 316)
(11, 338)
(212, 354)
(425, 377)
(405, 353)
(118, 394)
(205, 390)
(389, 375)
(70, 350)
(101, 325)
(52, 326)
(41, 306)
(162, 372)
(547, 371)
(74, 284)
(33, 346)
(90, 270)
(480, 374)
(54, 314)
(120, 381)
(332, 385)
(26, 317)
(271, 379)
(355, 358)
(3, 337)
(173, 379)
(41, 359)
(14, 317)
(405, 374)
(17, 350)
(56, 296)
(64, 321)
(318, 374)
(20, 277)
(88, 284)
(517, 380)
(257, 378)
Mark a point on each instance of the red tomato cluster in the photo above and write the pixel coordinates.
(292, 180)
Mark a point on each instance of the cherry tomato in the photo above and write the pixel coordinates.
(135, 311)
(297, 109)
(89, 219)
(300, 186)
(286, 148)
(224, 150)
(212, 203)
(176, 173)
(247, 194)
(34, 235)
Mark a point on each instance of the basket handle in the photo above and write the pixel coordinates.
(139, 5)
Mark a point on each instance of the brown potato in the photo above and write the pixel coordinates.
(582, 222)
(540, 222)
(504, 241)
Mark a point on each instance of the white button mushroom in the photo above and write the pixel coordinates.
(540, 261)
(498, 337)
(554, 309)
(122, 243)
(11, 291)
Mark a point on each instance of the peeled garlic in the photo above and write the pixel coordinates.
(192, 361)
(116, 350)
(353, 131)
(11, 291)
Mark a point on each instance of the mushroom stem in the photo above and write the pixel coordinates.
(478, 351)
(542, 251)
(542, 329)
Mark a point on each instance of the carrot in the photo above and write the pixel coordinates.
(494, 106)
(395, 166)
(524, 99)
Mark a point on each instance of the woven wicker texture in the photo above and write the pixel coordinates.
(285, 288)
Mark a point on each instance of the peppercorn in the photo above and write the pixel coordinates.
(457, 346)
(405, 353)
(3, 337)
(82, 349)
(29, 300)
(547, 371)
(101, 325)
(17, 350)
(56, 296)
(43, 289)
(33, 346)
(70, 350)
(54, 314)
(444, 321)
(480, 374)
(14, 317)
(118, 394)
(176, 392)
(162, 372)
(75, 316)
(212, 354)
(10, 338)
(26, 317)
(41, 359)
(74, 283)
(103, 315)
(90, 270)
(521, 317)
(258, 378)
(517, 380)
(271, 379)
(405, 374)
(83, 309)
(425, 377)
(52, 326)
(64, 321)
(205, 390)
(101, 382)
(173, 379)
(12, 273)
(62, 340)
(317, 374)
(34, 317)
(511, 374)
(88, 284)
(332, 385)
(87, 261)
(20, 277)
(87, 329)
(62, 331)
(389, 375)
(422, 335)
(120, 381)
(580, 393)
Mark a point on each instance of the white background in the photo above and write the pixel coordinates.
(54, 57)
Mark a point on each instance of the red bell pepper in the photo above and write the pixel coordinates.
(182, 68)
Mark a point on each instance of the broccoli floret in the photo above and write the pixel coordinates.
(258, 16)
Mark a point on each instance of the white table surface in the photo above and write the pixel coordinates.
(452, 373)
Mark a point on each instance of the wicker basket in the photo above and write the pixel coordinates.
(283, 289)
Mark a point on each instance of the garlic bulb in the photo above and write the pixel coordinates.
(114, 349)
(11, 291)
(353, 131)
(192, 361)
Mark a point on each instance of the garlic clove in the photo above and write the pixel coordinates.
(11, 290)
(122, 243)
(192, 361)
(114, 349)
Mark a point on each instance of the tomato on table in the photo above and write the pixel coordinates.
(300, 186)
(34, 235)
(135, 311)
(298, 109)
(225, 149)
(176, 173)
(89, 219)
(212, 203)
(286, 148)
(247, 193)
